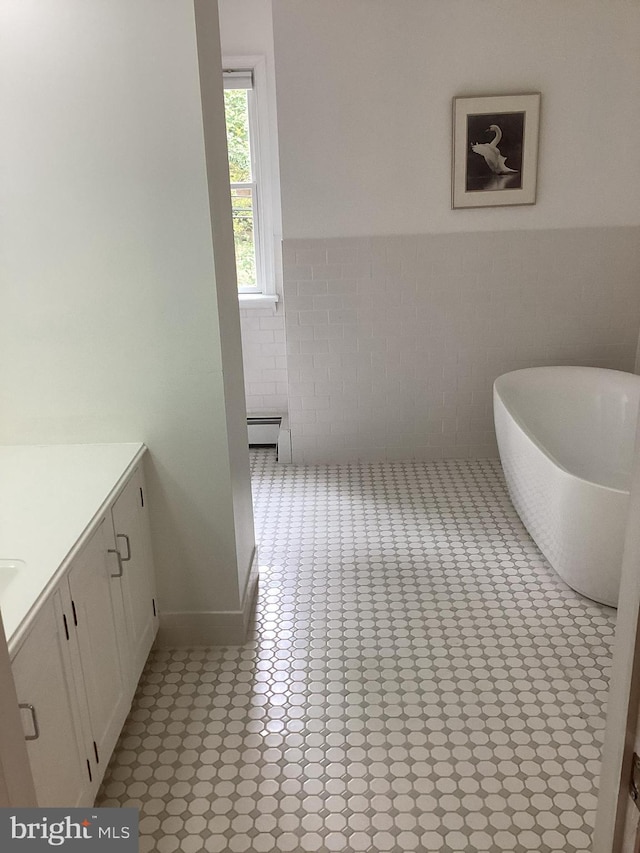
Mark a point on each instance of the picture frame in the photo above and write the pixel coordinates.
(495, 150)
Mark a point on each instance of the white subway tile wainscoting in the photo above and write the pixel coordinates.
(417, 679)
(393, 343)
(264, 357)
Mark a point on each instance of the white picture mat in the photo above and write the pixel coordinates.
(462, 107)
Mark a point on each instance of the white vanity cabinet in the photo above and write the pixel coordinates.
(131, 531)
(78, 662)
(50, 713)
(94, 619)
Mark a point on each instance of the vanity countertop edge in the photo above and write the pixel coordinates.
(52, 497)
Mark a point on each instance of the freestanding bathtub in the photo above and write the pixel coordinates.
(566, 439)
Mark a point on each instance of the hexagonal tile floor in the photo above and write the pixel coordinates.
(417, 679)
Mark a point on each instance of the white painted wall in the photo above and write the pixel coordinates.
(114, 311)
(226, 291)
(364, 110)
(246, 27)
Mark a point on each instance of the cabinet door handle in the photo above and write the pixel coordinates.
(126, 539)
(119, 558)
(34, 719)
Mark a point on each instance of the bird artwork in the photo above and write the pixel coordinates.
(491, 153)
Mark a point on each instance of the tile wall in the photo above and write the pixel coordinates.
(393, 343)
(264, 355)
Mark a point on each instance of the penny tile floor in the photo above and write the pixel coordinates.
(417, 679)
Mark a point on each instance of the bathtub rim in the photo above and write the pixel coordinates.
(536, 441)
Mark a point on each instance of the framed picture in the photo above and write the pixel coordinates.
(495, 150)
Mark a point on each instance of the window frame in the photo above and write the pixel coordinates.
(263, 218)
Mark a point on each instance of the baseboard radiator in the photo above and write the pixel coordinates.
(271, 431)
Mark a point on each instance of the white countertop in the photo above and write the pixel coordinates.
(49, 496)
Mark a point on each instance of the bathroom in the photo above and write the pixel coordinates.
(117, 324)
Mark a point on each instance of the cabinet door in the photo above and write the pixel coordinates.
(131, 528)
(98, 627)
(46, 693)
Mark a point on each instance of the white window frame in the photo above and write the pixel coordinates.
(262, 177)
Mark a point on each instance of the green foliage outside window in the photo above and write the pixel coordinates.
(237, 117)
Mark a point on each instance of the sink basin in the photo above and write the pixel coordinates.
(12, 564)
(9, 570)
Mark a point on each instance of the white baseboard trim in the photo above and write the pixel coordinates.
(211, 628)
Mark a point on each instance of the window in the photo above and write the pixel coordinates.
(245, 111)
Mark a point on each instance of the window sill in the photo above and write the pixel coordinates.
(257, 300)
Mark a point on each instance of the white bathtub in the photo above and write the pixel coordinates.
(566, 439)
